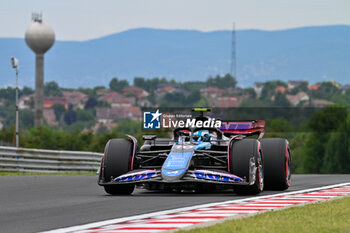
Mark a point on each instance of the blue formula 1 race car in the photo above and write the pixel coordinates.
(199, 158)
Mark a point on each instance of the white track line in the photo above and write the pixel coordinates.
(167, 212)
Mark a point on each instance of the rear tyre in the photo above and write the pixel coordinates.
(117, 160)
(240, 157)
(277, 161)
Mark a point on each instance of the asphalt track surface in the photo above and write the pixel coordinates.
(38, 203)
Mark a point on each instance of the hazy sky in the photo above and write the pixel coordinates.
(87, 19)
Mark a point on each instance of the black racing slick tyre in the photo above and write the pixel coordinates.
(241, 155)
(277, 163)
(117, 160)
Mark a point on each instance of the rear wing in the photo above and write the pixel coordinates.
(243, 127)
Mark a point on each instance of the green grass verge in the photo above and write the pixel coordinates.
(329, 216)
(42, 173)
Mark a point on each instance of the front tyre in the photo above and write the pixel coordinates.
(116, 162)
(243, 153)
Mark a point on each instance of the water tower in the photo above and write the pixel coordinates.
(39, 37)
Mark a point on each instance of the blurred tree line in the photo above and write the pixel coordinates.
(318, 145)
(76, 140)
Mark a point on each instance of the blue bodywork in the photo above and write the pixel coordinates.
(176, 163)
(179, 159)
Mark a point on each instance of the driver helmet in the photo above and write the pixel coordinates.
(202, 135)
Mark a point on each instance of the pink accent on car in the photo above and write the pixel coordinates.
(134, 151)
(243, 127)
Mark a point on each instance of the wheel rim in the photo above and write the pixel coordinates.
(288, 169)
(260, 173)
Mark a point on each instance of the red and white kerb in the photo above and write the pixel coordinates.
(176, 220)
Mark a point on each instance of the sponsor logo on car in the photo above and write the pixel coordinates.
(210, 175)
(136, 176)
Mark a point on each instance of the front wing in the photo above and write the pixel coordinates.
(192, 176)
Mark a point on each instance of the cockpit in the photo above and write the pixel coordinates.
(197, 135)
